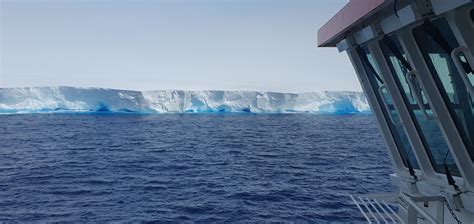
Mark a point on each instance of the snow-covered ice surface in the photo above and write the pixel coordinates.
(72, 99)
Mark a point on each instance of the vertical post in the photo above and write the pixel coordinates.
(401, 107)
(377, 110)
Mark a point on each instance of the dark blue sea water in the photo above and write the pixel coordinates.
(188, 167)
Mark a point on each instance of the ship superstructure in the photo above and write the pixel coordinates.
(415, 62)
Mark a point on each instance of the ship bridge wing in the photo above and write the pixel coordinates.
(415, 62)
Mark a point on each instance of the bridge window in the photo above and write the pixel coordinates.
(390, 114)
(430, 132)
(436, 41)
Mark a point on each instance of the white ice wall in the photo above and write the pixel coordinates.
(71, 99)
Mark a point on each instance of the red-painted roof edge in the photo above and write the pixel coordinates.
(348, 15)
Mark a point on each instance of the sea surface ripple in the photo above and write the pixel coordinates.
(188, 167)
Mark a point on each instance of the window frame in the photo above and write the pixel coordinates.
(402, 151)
(387, 135)
(410, 123)
(439, 107)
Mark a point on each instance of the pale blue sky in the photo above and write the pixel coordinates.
(171, 44)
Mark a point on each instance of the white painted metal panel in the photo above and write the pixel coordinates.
(405, 17)
(442, 6)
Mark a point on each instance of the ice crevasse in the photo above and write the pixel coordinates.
(73, 99)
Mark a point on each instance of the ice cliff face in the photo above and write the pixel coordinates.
(71, 99)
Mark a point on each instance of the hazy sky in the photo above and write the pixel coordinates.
(171, 44)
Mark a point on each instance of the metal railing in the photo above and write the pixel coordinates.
(376, 210)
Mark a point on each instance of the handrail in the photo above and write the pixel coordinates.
(420, 210)
(393, 212)
(376, 211)
(462, 72)
(411, 76)
(360, 209)
(369, 210)
(385, 211)
(385, 103)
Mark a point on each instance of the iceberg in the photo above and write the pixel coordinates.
(73, 99)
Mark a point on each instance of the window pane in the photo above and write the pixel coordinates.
(430, 132)
(397, 130)
(436, 41)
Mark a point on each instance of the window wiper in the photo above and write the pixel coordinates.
(437, 36)
(390, 46)
(449, 177)
(367, 63)
(400, 57)
(411, 171)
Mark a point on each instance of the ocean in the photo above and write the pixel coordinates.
(221, 167)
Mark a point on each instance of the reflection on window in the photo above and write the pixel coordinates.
(436, 41)
(398, 132)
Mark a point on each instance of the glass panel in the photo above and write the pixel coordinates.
(436, 42)
(430, 132)
(397, 130)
